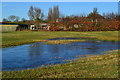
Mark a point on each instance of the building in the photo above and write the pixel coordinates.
(13, 27)
(32, 27)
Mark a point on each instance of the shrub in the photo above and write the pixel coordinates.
(53, 28)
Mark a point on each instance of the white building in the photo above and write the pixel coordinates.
(32, 27)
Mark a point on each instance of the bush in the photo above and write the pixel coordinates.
(53, 28)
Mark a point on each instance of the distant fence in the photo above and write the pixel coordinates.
(8, 27)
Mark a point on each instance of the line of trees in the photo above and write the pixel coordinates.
(37, 15)
(11, 18)
(91, 22)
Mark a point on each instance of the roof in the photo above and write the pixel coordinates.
(8, 23)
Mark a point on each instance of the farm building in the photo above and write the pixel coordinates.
(13, 27)
(42, 26)
(45, 26)
(32, 27)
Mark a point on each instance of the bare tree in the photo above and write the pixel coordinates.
(42, 15)
(17, 19)
(50, 14)
(110, 15)
(23, 19)
(95, 15)
(4, 20)
(35, 13)
(56, 13)
(31, 13)
(13, 18)
(95, 11)
(82, 15)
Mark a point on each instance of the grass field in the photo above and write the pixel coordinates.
(103, 66)
(14, 38)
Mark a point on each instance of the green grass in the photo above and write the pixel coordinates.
(14, 38)
(103, 66)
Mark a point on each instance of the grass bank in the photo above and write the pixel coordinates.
(103, 66)
(14, 38)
